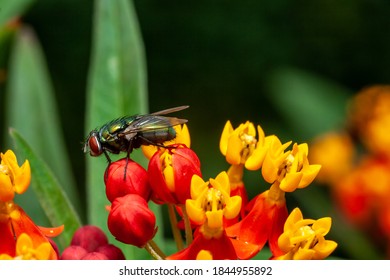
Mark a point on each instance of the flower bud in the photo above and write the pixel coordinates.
(131, 221)
(125, 176)
(170, 172)
(111, 251)
(73, 253)
(89, 237)
(95, 256)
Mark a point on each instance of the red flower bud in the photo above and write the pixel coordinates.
(89, 237)
(170, 172)
(73, 253)
(95, 256)
(119, 183)
(131, 221)
(112, 252)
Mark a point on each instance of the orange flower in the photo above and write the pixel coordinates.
(263, 223)
(209, 206)
(304, 239)
(291, 168)
(240, 145)
(13, 220)
(26, 250)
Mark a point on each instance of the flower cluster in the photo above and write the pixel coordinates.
(356, 163)
(216, 216)
(20, 237)
(90, 243)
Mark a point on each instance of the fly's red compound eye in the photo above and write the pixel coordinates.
(94, 146)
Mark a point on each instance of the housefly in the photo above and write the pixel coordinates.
(130, 132)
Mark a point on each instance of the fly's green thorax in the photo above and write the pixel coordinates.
(111, 129)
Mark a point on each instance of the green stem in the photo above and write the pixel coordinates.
(187, 225)
(154, 250)
(175, 230)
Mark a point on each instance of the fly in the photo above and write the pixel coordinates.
(130, 132)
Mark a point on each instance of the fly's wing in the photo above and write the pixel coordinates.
(170, 110)
(151, 122)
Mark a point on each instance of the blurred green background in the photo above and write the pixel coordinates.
(289, 66)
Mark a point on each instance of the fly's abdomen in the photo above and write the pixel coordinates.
(157, 136)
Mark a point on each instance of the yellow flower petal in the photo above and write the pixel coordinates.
(23, 178)
(304, 254)
(182, 135)
(309, 174)
(233, 207)
(291, 182)
(223, 143)
(169, 175)
(149, 150)
(233, 152)
(222, 181)
(195, 212)
(43, 251)
(214, 219)
(324, 249)
(198, 186)
(322, 225)
(6, 189)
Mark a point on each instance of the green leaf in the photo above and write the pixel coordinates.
(31, 109)
(116, 87)
(10, 9)
(308, 103)
(50, 194)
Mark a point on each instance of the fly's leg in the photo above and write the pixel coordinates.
(107, 157)
(109, 162)
(129, 150)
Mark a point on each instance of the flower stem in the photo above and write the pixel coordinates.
(154, 250)
(187, 225)
(175, 230)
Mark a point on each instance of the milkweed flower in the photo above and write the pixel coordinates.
(210, 205)
(13, 178)
(286, 170)
(304, 239)
(291, 168)
(13, 220)
(241, 146)
(27, 250)
(264, 222)
(335, 152)
(369, 118)
(170, 171)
